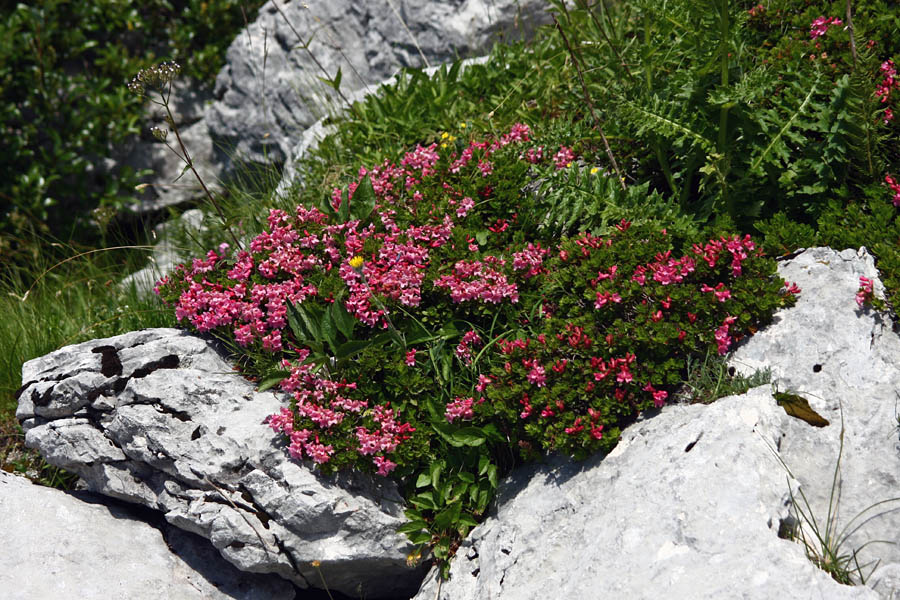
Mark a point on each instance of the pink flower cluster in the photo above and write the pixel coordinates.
(460, 408)
(737, 247)
(723, 339)
(888, 83)
(820, 26)
(479, 280)
(563, 158)
(530, 259)
(464, 349)
(866, 291)
(895, 189)
(518, 133)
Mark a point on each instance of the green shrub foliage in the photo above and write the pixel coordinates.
(423, 328)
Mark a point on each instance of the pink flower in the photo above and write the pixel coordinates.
(866, 291)
(792, 288)
(563, 158)
(895, 188)
(576, 427)
(411, 358)
(723, 340)
(537, 376)
(385, 466)
(465, 205)
(460, 408)
(483, 382)
(820, 26)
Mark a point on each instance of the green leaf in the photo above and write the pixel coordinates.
(296, 323)
(467, 436)
(492, 476)
(413, 526)
(467, 519)
(363, 200)
(423, 480)
(419, 538)
(344, 208)
(348, 349)
(483, 463)
(446, 432)
(273, 379)
(447, 517)
(424, 500)
(465, 476)
(303, 323)
(435, 472)
(328, 329)
(343, 319)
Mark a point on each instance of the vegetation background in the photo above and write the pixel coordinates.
(703, 116)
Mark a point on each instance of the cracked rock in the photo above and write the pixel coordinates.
(61, 545)
(159, 418)
(651, 520)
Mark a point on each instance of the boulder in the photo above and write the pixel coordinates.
(59, 545)
(166, 253)
(691, 502)
(271, 90)
(159, 418)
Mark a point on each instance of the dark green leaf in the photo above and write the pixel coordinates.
(363, 200)
(343, 319)
(273, 379)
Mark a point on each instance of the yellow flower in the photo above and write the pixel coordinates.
(316, 564)
(357, 262)
(595, 170)
(462, 125)
(443, 144)
(452, 138)
(444, 135)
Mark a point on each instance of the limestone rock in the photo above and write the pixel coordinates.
(59, 545)
(690, 503)
(158, 418)
(166, 253)
(270, 89)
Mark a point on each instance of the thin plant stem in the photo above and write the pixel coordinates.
(305, 46)
(186, 157)
(608, 41)
(409, 33)
(852, 33)
(587, 99)
(79, 255)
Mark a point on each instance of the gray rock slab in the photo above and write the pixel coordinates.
(845, 360)
(270, 89)
(159, 418)
(57, 545)
(689, 504)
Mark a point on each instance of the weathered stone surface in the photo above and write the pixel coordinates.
(270, 89)
(319, 130)
(58, 545)
(690, 502)
(166, 253)
(158, 417)
(845, 360)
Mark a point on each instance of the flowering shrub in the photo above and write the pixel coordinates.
(414, 340)
(820, 26)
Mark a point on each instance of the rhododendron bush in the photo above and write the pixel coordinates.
(418, 329)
